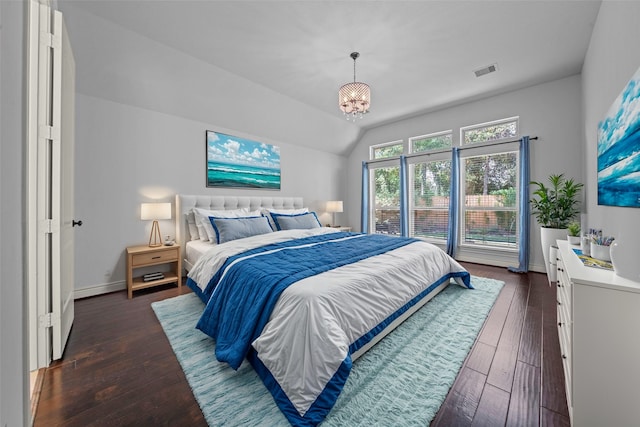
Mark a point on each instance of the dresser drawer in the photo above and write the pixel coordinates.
(564, 335)
(154, 257)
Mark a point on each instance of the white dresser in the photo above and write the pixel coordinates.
(599, 331)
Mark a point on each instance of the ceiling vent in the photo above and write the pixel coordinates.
(486, 70)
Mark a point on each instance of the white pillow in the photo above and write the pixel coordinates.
(267, 212)
(205, 229)
(191, 223)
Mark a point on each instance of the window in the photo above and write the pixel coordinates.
(434, 141)
(386, 195)
(389, 149)
(489, 210)
(486, 205)
(491, 131)
(489, 206)
(429, 204)
(385, 186)
(430, 186)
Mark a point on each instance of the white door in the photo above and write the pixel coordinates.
(54, 177)
(62, 293)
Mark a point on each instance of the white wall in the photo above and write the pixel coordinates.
(142, 112)
(550, 111)
(612, 59)
(14, 399)
(127, 155)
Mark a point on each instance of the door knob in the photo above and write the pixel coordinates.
(74, 223)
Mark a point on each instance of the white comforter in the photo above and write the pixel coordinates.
(316, 319)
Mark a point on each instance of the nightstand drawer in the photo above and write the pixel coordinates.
(145, 256)
(154, 257)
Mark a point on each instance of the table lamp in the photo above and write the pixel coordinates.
(334, 206)
(155, 211)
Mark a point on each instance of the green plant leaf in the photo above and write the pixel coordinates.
(556, 205)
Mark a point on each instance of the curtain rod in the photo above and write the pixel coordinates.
(445, 150)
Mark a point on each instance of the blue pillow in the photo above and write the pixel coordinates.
(228, 229)
(297, 221)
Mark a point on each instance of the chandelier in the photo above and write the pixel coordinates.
(354, 98)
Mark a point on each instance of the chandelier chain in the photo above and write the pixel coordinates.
(354, 66)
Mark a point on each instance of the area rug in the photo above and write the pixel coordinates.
(402, 380)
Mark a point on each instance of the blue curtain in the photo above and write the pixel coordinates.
(523, 202)
(364, 215)
(452, 234)
(404, 198)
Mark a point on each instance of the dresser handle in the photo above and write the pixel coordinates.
(559, 323)
(559, 303)
(156, 257)
(564, 356)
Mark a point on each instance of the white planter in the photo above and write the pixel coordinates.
(573, 240)
(548, 237)
(624, 258)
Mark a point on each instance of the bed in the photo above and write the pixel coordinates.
(302, 304)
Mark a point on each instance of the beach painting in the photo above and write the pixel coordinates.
(241, 163)
(619, 149)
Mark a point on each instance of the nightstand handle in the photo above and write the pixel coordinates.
(156, 257)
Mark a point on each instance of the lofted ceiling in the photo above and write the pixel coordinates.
(417, 56)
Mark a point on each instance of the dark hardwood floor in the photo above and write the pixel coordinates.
(119, 370)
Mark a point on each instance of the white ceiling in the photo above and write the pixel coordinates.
(417, 56)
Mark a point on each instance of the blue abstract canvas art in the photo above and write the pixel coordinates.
(241, 163)
(619, 149)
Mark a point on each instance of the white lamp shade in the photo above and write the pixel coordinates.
(334, 206)
(153, 211)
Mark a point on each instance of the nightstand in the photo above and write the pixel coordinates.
(145, 256)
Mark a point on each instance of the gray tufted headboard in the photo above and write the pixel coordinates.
(184, 203)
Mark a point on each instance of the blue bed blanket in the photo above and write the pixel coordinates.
(299, 308)
(249, 284)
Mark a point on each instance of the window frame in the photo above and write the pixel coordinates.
(423, 157)
(429, 135)
(490, 147)
(464, 129)
(387, 162)
(373, 148)
(462, 208)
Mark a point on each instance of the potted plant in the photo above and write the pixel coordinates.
(554, 206)
(573, 233)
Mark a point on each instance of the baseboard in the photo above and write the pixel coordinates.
(103, 288)
(538, 268)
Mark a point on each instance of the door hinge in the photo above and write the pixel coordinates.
(46, 226)
(46, 39)
(49, 39)
(49, 320)
(51, 133)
